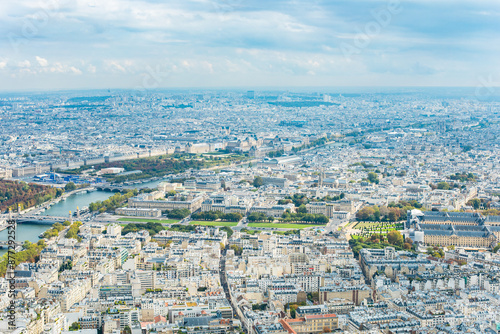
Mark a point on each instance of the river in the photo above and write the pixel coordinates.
(24, 232)
(82, 200)
(30, 231)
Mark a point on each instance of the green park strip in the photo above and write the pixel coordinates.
(209, 223)
(384, 226)
(150, 220)
(278, 225)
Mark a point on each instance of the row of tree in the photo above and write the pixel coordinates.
(444, 185)
(374, 213)
(304, 217)
(152, 228)
(55, 229)
(259, 216)
(73, 231)
(393, 212)
(113, 202)
(300, 200)
(162, 165)
(178, 213)
(152, 167)
(215, 215)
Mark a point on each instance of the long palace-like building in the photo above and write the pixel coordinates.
(462, 229)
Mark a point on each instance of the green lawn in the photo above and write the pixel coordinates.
(209, 223)
(378, 225)
(251, 232)
(150, 220)
(278, 225)
(289, 232)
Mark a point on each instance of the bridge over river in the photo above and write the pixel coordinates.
(40, 220)
(5, 245)
(116, 187)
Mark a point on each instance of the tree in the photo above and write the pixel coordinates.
(373, 177)
(395, 238)
(302, 209)
(70, 186)
(393, 215)
(258, 182)
(237, 249)
(443, 186)
(75, 326)
(179, 213)
(384, 211)
(475, 202)
(365, 213)
(66, 266)
(73, 231)
(257, 216)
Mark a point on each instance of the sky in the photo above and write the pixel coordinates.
(146, 44)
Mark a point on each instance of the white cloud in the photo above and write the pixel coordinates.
(114, 66)
(75, 70)
(42, 61)
(3, 64)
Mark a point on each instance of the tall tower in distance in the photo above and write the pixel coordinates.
(321, 178)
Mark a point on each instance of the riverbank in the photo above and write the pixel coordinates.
(25, 232)
(79, 200)
(44, 206)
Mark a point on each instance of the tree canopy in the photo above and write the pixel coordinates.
(258, 182)
(373, 177)
(70, 186)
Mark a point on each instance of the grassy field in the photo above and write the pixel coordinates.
(378, 225)
(278, 225)
(146, 220)
(209, 223)
(350, 224)
(285, 232)
(251, 232)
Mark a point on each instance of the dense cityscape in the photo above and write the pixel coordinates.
(262, 212)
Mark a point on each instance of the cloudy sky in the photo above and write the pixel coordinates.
(73, 44)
